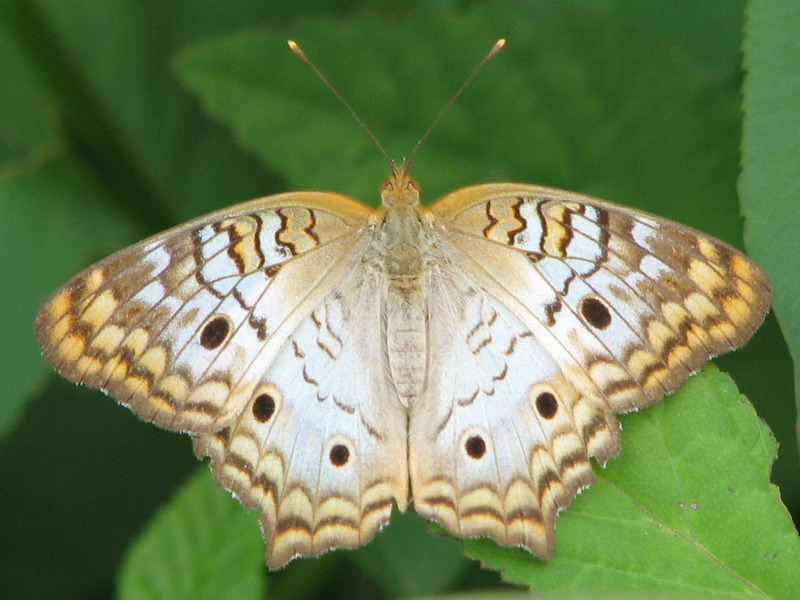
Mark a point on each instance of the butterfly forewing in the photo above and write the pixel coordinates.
(628, 304)
(181, 327)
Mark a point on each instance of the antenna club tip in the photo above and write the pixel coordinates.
(295, 47)
(498, 45)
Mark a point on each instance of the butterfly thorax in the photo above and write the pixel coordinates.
(403, 244)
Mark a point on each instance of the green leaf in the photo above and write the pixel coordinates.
(688, 509)
(202, 545)
(27, 127)
(401, 573)
(771, 157)
(543, 111)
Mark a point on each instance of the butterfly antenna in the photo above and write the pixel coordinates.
(498, 45)
(295, 47)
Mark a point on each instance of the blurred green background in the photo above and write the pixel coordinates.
(122, 119)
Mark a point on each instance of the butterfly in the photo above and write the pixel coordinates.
(334, 360)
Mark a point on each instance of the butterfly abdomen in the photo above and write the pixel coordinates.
(403, 244)
(406, 336)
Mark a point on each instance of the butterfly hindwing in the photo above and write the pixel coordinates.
(500, 441)
(321, 444)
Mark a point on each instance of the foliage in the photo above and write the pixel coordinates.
(123, 119)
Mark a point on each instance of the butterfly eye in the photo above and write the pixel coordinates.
(595, 312)
(547, 405)
(215, 332)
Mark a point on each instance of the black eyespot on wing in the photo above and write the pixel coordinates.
(339, 455)
(263, 408)
(595, 312)
(475, 447)
(215, 332)
(547, 405)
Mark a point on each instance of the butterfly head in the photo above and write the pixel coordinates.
(400, 189)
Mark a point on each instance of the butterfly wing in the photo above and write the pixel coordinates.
(181, 327)
(500, 441)
(628, 304)
(553, 311)
(321, 445)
